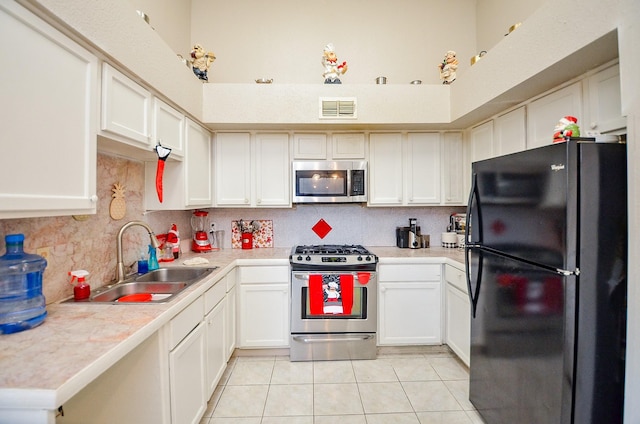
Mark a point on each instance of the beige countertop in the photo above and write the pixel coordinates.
(44, 367)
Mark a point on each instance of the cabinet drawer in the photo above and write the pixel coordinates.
(214, 295)
(455, 277)
(264, 274)
(185, 321)
(231, 279)
(409, 272)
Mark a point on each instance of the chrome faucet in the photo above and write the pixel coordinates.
(120, 274)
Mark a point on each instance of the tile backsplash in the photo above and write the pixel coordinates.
(91, 244)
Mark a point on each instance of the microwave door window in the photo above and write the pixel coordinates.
(321, 183)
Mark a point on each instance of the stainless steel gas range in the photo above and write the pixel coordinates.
(333, 302)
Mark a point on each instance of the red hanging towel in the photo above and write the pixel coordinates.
(346, 287)
(316, 297)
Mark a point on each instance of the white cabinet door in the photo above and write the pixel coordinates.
(385, 169)
(186, 184)
(231, 322)
(198, 164)
(481, 142)
(409, 304)
(272, 164)
(603, 112)
(187, 373)
(126, 108)
(348, 146)
(458, 313)
(264, 315)
(168, 128)
(452, 169)
(233, 169)
(543, 114)
(310, 146)
(215, 350)
(423, 168)
(510, 132)
(409, 313)
(48, 145)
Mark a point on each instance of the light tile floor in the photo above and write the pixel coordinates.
(408, 388)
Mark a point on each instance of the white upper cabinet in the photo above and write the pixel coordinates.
(232, 160)
(603, 105)
(481, 142)
(452, 169)
(168, 127)
(348, 146)
(49, 125)
(510, 132)
(310, 146)
(423, 168)
(385, 169)
(126, 108)
(272, 170)
(252, 170)
(543, 114)
(329, 146)
(186, 184)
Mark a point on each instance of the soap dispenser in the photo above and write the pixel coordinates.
(81, 290)
(153, 259)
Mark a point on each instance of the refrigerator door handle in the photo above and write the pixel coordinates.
(468, 245)
(473, 294)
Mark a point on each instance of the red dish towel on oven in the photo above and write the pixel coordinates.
(316, 295)
(346, 287)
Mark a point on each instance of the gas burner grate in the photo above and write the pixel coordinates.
(332, 249)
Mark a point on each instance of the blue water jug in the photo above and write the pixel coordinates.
(22, 305)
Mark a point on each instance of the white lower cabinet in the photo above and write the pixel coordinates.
(230, 325)
(409, 304)
(215, 327)
(458, 313)
(187, 367)
(263, 307)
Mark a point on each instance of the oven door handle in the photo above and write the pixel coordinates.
(305, 276)
(335, 338)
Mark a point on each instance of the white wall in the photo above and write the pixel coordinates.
(171, 19)
(284, 39)
(495, 17)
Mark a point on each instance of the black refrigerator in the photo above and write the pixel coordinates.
(546, 259)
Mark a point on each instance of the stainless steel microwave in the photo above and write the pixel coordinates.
(329, 181)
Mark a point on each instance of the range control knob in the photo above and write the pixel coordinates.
(360, 258)
(368, 258)
(308, 258)
(299, 258)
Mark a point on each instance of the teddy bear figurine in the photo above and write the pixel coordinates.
(201, 61)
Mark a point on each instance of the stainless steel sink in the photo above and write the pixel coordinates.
(159, 291)
(162, 284)
(175, 274)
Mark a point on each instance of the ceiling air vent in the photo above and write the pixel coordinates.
(338, 108)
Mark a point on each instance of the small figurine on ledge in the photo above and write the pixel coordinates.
(565, 128)
(201, 61)
(448, 67)
(332, 70)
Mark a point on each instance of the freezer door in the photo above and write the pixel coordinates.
(518, 204)
(521, 341)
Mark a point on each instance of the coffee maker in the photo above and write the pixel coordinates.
(409, 237)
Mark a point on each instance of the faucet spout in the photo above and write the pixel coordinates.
(120, 273)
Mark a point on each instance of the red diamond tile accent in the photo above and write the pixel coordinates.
(321, 228)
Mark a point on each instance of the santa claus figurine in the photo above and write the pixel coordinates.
(565, 128)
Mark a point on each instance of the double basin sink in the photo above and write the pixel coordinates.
(157, 286)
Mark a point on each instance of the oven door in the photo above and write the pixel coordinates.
(333, 302)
